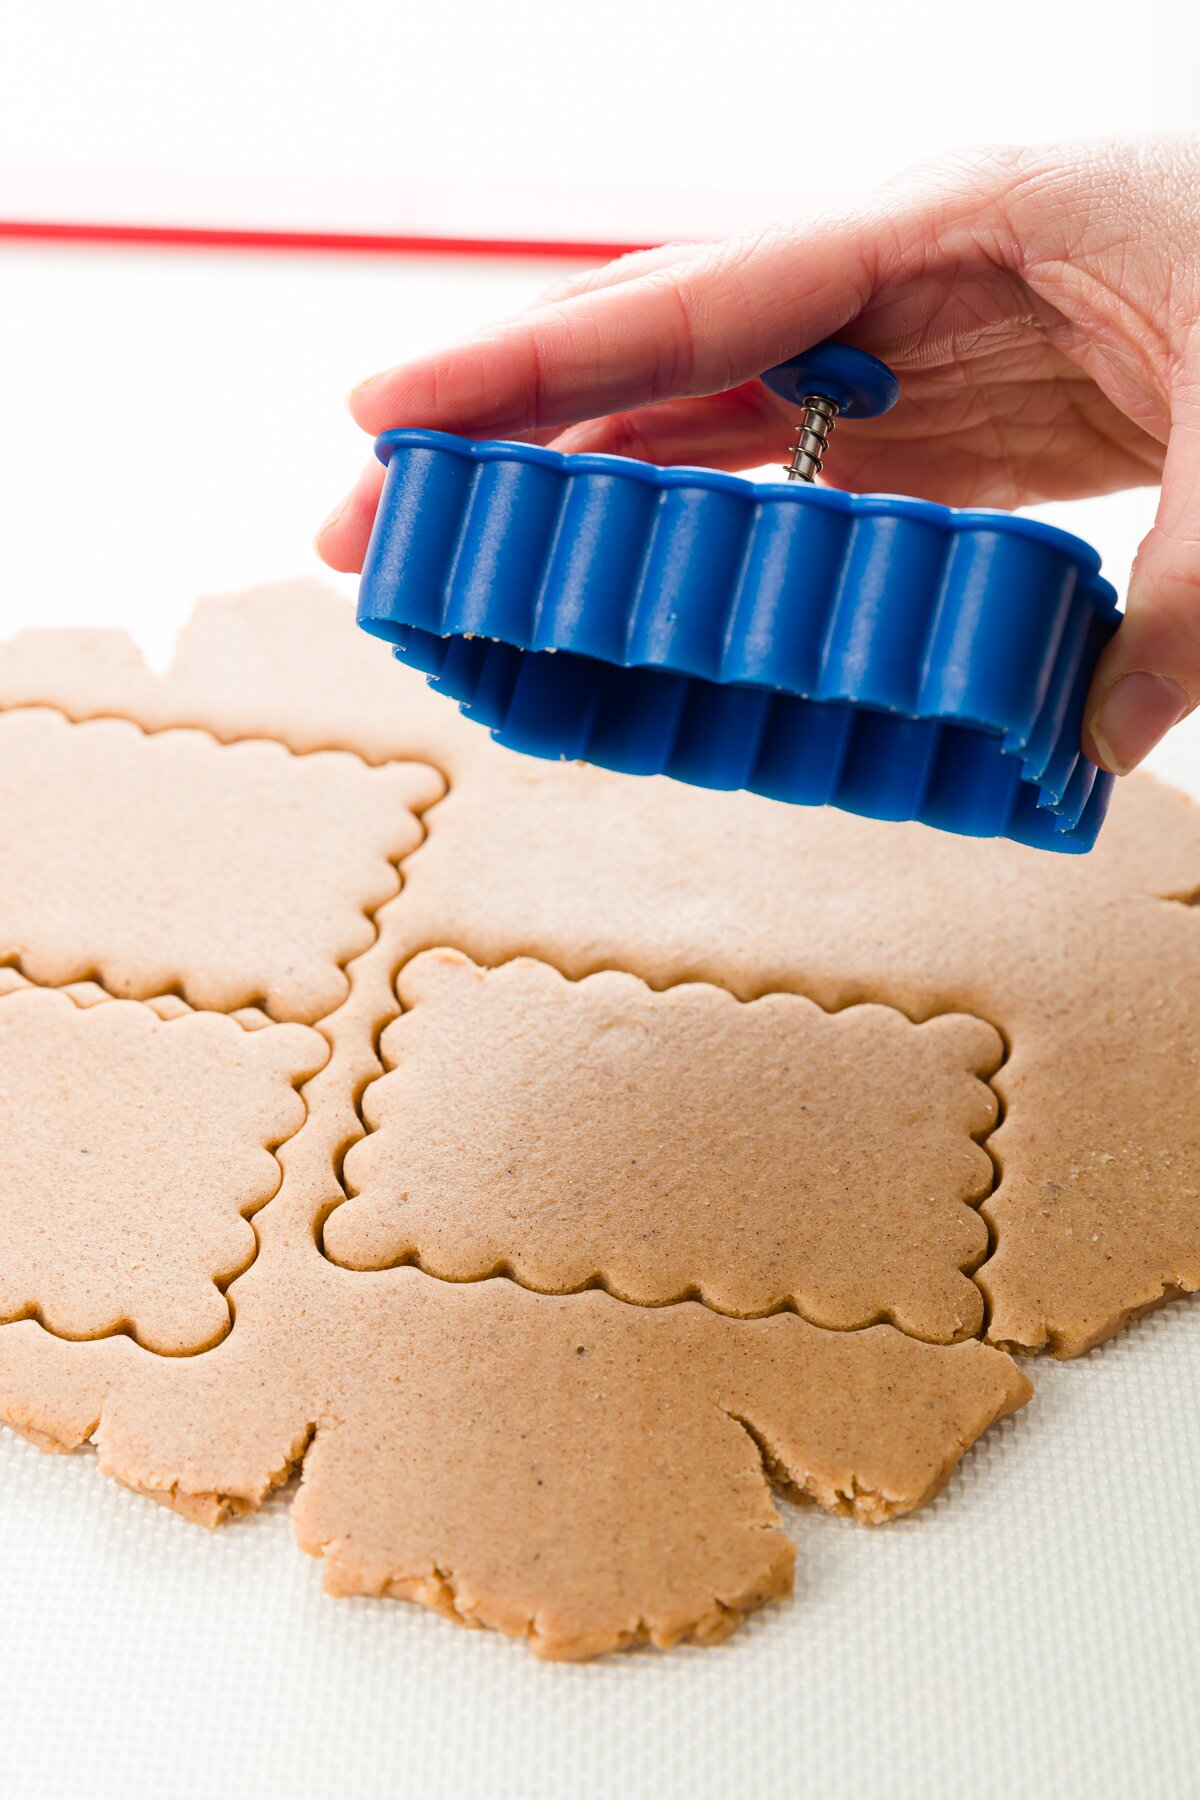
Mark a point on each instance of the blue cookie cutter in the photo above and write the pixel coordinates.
(887, 655)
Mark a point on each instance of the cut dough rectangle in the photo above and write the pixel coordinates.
(133, 1151)
(237, 873)
(758, 1155)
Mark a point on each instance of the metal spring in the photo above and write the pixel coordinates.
(812, 438)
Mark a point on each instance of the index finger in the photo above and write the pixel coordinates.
(698, 325)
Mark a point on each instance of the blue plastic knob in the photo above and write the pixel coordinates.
(860, 386)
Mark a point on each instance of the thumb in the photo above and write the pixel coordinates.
(1149, 675)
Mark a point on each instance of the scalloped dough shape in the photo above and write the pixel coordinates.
(755, 1155)
(241, 874)
(132, 1152)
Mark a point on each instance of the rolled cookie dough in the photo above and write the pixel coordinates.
(1089, 969)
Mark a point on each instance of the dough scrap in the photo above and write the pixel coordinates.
(1097, 1214)
(283, 662)
(132, 1153)
(573, 1471)
(240, 874)
(676, 1144)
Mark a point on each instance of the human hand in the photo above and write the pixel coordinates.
(1040, 306)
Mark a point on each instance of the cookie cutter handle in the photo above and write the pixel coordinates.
(829, 381)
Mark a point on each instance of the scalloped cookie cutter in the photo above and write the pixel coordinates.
(886, 655)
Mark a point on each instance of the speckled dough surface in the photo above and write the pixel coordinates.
(209, 849)
(553, 1028)
(133, 1151)
(576, 1472)
(754, 1155)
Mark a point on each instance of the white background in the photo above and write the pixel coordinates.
(172, 423)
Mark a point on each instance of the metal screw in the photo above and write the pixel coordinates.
(812, 437)
(831, 381)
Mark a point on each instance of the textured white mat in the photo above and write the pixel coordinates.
(1032, 1632)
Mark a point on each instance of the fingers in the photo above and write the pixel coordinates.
(622, 268)
(1148, 678)
(626, 354)
(739, 429)
(679, 320)
(713, 319)
(955, 440)
(731, 431)
(342, 540)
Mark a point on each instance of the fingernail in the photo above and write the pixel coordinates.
(1135, 713)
